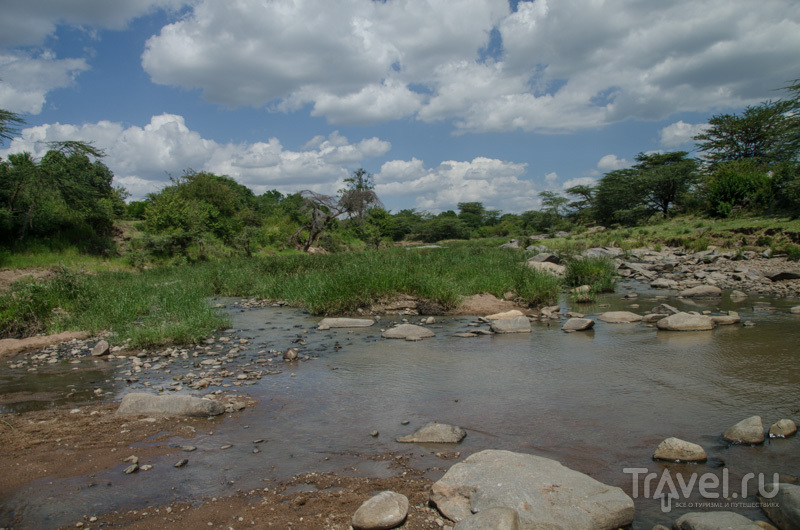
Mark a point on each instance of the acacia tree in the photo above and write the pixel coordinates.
(9, 125)
(664, 177)
(359, 196)
(320, 211)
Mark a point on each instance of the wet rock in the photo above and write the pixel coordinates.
(782, 429)
(430, 321)
(544, 493)
(747, 431)
(100, 349)
(784, 275)
(653, 317)
(514, 313)
(620, 317)
(738, 295)
(435, 433)
(465, 335)
(686, 322)
(577, 324)
(666, 309)
(663, 283)
(784, 508)
(511, 325)
(290, 354)
(328, 323)
(726, 320)
(408, 332)
(702, 291)
(677, 450)
(795, 310)
(181, 463)
(385, 510)
(148, 404)
(714, 521)
(133, 468)
(497, 518)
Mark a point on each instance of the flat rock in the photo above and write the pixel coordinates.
(385, 510)
(435, 433)
(747, 431)
(784, 275)
(544, 493)
(663, 283)
(653, 317)
(602, 252)
(686, 322)
(677, 450)
(578, 324)
(100, 349)
(727, 320)
(511, 325)
(702, 291)
(545, 257)
(148, 404)
(497, 518)
(328, 323)
(546, 266)
(784, 508)
(795, 310)
(666, 309)
(408, 332)
(714, 521)
(738, 295)
(514, 313)
(620, 317)
(782, 429)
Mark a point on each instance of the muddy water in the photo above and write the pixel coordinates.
(599, 402)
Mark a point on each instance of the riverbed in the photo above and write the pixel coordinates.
(597, 401)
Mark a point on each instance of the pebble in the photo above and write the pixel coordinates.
(182, 462)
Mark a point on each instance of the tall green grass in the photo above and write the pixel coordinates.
(171, 303)
(597, 272)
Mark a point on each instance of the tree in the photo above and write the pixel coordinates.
(618, 197)
(472, 214)
(320, 211)
(664, 178)
(552, 202)
(583, 205)
(359, 195)
(9, 125)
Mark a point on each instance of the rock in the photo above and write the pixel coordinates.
(546, 266)
(795, 310)
(663, 283)
(666, 309)
(435, 433)
(385, 510)
(497, 518)
(583, 289)
(702, 291)
(677, 450)
(714, 521)
(784, 508)
(577, 324)
(726, 320)
(133, 468)
(290, 354)
(601, 252)
(514, 313)
(181, 463)
(408, 332)
(100, 349)
(782, 429)
(686, 322)
(653, 317)
(148, 404)
(638, 269)
(738, 295)
(784, 275)
(545, 257)
(328, 323)
(465, 335)
(544, 493)
(511, 244)
(430, 321)
(620, 317)
(747, 431)
(511, 325)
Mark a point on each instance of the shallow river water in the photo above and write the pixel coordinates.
(598, 401)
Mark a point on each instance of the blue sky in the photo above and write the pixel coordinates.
(443, 101)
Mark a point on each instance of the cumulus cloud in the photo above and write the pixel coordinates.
(559, 66)
(26, 78)
(612, 162)
(579, 181)
(143, 158)
(680, 133)
(497, 183)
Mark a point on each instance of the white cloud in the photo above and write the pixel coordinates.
(565, 65)
(550, 178)
(142, 158)
(496, 183)
(680, 133)
(579, 181)
(611, 163)
(25, 79)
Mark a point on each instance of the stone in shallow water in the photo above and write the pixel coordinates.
(714, 521)
(508, 314)
(783, 508)
(686, 322)
(677, 450)
(435, 433)
(782, 429)
(385, 510)
(328, 323)
(702, 291)
(512, 325)
(408, 332)
(148, 404)
(577, 324)
(619, 317)
(747, 431)
(544, 493)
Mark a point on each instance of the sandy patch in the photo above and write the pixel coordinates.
(9, 276)
(11, 347)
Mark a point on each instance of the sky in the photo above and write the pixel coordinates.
(442, 101)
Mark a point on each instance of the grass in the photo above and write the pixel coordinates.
(170, 304)
(599, 273)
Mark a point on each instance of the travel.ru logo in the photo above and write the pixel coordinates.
(709, 486)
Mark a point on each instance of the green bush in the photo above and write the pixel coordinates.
(740, 185)
(597, 272)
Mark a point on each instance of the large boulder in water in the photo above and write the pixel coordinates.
(512, 325)
(686, 322)
(619, 317)
(677, 450)
(747, 431)
(714, 521)
(150, 405)
(783, 508)
(702, 291)
(408, 332)
(435, 433)
(544, 493)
